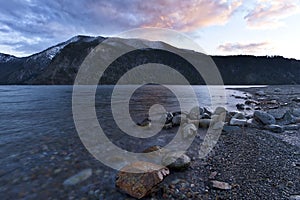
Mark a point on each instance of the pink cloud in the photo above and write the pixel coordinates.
(270, 13)
(245, 48)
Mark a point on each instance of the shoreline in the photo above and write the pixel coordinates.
(258, 164)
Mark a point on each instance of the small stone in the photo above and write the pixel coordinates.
(288, 118)
(274, 128)
(213, 175)
(239, 115)
(139, 178)
(177, 161)
(264, 117)
(79, 177)
(238, 122)
(221, 185)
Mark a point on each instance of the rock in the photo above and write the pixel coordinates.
(240, 106)
(288, 118)
(77, 178)
(264, 118)
(188, 130)
(213, 175)
(295, 112)
(249, 102)
(295, 197)
(277, 114)
(260, 93)
(221, 185)
(196, 113)
(145, 123)
(139, 178)
(297, 99)
(253, 123)
(179, 119)
(207, 111)
(238, 122)
(177, 161)
(204, 123)
(219, 111)
(206, 116)
(166, 118)
(231, 129)
(239, 115)
(274, 128)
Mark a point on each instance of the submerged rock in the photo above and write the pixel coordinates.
(79, 177)
(264, 118)
(139, 178)
(177, 161)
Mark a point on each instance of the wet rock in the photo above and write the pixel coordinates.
(166, 118)
(139, 178)
(221, 185)
(240, 106)
(177, 161)
(204, 123)
(297, 99)
(196, 113)
(179, 119)
(238, 122)
(274, 128)
(207, 111)
(206, 116)
(188, 130)
(77, 178)
(145, 123)
(239, 115)
(264, 118)
(219, 111)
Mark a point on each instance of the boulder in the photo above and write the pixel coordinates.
(263, 117)
(177, 161)
(139, 178)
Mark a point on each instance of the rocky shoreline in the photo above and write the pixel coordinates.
(257, 157)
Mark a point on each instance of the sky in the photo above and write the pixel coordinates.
(220, 27)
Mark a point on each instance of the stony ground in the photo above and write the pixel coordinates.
(257, 164)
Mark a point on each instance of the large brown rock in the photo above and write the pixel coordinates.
(139, 178)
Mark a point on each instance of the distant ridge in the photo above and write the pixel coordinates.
(59, 64)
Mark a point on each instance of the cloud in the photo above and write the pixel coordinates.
(243, 48)
(271, 13)
(37, 24)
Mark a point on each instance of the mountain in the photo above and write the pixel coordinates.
(59, 64)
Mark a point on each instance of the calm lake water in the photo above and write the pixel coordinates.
(34, 110)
